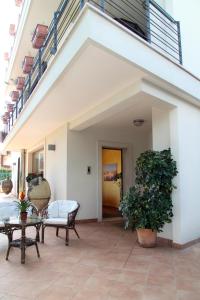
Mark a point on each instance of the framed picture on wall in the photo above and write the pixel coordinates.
(109, 172)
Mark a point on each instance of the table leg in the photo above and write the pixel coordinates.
(23, 244)
(38, 232)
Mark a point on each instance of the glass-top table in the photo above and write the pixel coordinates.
(12, 224)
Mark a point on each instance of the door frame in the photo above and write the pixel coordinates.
(127, 169)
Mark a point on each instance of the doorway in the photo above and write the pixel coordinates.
(112, 182)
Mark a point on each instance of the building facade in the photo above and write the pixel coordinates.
(104, 67)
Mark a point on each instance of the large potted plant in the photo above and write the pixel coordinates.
(147, 206)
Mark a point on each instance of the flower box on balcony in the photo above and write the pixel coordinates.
(6, 56)
(4, 119)
(20, 83)
(39, 36)
(18, 2)
(12, 30)
(27, 64)
(14, 95)
(10, 107)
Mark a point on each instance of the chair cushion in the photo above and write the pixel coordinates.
(62, 221)
(61, 208)
(53, 209)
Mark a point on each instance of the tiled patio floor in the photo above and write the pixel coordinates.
(106, 263)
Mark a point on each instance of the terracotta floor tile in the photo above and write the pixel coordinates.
(54, 293)
(121, 290)
(13, 297)
(188, 284)
(106, 263)
(158, 293)
(187, 295)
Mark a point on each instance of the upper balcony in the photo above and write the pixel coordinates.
(30, 16)
(145, 20)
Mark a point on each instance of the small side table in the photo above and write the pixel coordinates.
(24, 241)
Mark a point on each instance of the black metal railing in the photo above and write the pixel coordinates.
(143, 17)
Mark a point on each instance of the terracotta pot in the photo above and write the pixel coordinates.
(23, 215)
(12, 29)
(20, 83)
(27, 64)
(4, 120)
(146, 237)
(14, 95)
(6, 56)
(10, 107)
(18, 2)
(39, 36)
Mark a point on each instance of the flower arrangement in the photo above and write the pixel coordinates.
(23, 205)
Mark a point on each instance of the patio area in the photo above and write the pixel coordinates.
(106, 263)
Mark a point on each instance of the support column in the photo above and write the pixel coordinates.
(185, 141)
(22, 175)
(161, 141)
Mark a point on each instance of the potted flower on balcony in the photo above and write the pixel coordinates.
(147, 206)
(27, 64)
(14, 95)
(6, 56)
(4, 120)
(39, 36)
(20, 83)
(12, 30)
(23, 205)
(10, 107)
(18, 2)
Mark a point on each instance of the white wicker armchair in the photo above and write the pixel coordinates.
(60, 214)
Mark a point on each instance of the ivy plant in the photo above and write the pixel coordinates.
(148, 204)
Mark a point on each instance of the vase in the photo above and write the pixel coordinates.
(7, 186)
(23, 215)
(39, 192)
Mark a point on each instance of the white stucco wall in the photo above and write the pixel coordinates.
(187, 12)
(83, 152)
(179, 129)
(56, 163)
(186, 145)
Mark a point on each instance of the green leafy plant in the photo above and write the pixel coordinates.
(148, 204)
(23, 205)
(5, 173)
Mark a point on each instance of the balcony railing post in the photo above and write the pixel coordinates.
(9, 124)
(102, 5)
(16, 110)
(12, 118)
(40, 63)
(148, 20)
(29, 84)
(82, 2)
(179, 43)
(22, 101)
(55, 34)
